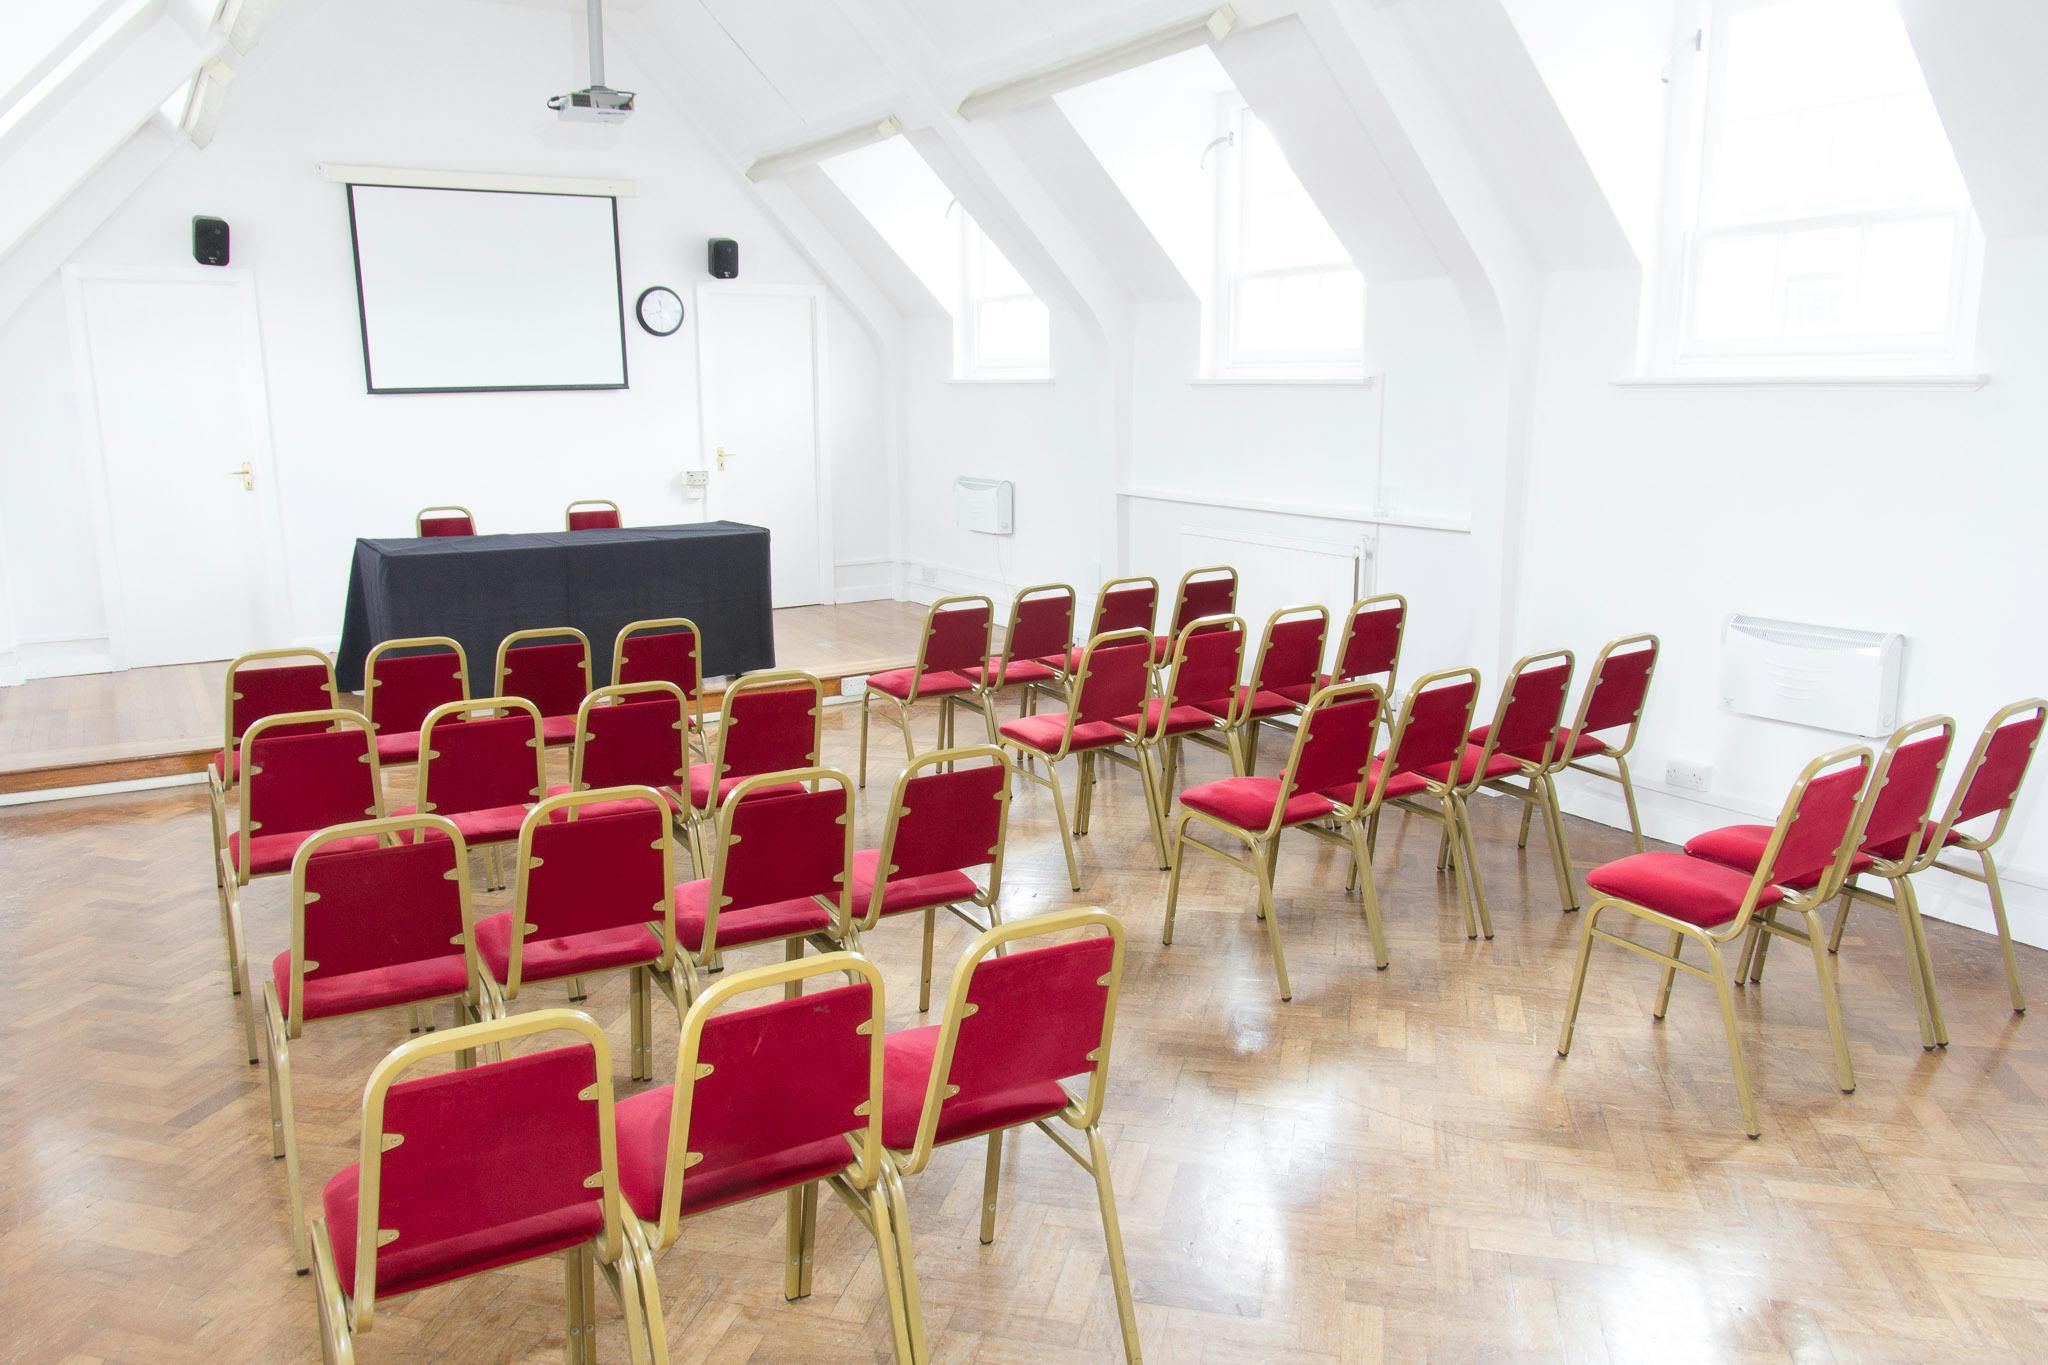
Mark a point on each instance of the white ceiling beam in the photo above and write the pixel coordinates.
(1200, 30)
(865, 134)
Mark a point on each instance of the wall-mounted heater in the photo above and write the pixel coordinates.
(1820, 676)
(984, 505)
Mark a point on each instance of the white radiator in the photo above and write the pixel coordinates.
(984, 505)
(1277, 571)
(1819, 676)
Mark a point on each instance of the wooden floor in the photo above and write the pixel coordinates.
(1394, 1165)
(153, 722)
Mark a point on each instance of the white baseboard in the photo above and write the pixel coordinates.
(863, 580)
(133, 784)
(947, 580)
(63, 658)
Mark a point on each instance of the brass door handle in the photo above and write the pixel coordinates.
(724, 455)
(246, 475)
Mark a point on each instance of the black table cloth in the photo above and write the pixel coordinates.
(479, 589)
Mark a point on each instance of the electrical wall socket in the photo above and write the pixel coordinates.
(1691, 777)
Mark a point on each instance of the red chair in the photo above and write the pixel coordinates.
(376, 925)
(782, 871)
(405, 679)
(1615, 693)
(1020, 1021)
(777, 1098)
(469, 1170)
(1428, 740)
(592, 895)
(445, 520)
(1290, 652)
(1198, 700)
(1122, 604)
(941, 825)
(632, 735)
(1112, 679)
(1369, 646)
(592, 514)
(1323, 784)
(1201, 593)
(554, 676)
(767, 723)
(668, 649)
(258, 687)
(1705, 902)
(1035, 647)
(482, 770)
(1515, 755)
(1892, 843)
(301, 772)
(957, 644)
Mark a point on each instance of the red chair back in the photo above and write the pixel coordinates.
(1621, 683)
(403, 680)
(1532, 707)
(1114, 675)
(668, 650)
(1910, 770)
(255, 692)
(1203, 593)
(949, 821)
(444, 521)
(1210, 663)
(956, 635)
(1291, 654)
(383, 906)
(1434, 721)
(1821, 818)
(555, 676)
(1335, 744)
(771, 722)
(1993, 781)
(1041, 624)
(1372, 638)
(300, 775)
(595, 870)
(632, 735)
(470, 761)
(1126, 604)
(592, 514)
(785, 847)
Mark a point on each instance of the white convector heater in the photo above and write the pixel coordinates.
(1820, 676)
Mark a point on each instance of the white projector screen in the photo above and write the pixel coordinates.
(469, 290)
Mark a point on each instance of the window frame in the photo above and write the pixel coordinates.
(972, 295)
(1693, 146)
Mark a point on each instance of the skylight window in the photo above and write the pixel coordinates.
(31, 47)
(1828, 223)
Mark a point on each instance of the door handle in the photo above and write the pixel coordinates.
(724, 455)
(246, 475)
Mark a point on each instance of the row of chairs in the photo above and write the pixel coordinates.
(451, 519)
(1851, 814)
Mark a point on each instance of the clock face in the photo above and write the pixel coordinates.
(661, 312)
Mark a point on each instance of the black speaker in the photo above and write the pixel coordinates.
(725, 258)
(209, 240)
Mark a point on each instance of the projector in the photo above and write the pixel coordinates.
(597, 104)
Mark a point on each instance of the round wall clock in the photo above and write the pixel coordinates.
(660, 311)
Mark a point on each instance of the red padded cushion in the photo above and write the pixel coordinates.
(906, 893)
(225, 765)
(896, 682)
(1247, 802)
(353, 992)
(1258, 703)
(757, 924)
(907, 1057)
(1181, 721)
(403, 746)
(1690, 889)
(1013, 671)
(497, 825)
(1399, 785)
(1896, 849)
(643, 1128)
(1572, 742)
(270, 853)
(558, 729)
(700, 786)
(545, 959)
(1742, 848)
(1500, 765)
(607, 807)
(1042, 733)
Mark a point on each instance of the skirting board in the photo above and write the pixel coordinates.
(135, 784)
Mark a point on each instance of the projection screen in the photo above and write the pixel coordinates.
(462, 291)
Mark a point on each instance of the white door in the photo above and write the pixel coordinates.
(172, 380)
(758, 350)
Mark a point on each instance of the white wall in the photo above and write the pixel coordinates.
(463, 89)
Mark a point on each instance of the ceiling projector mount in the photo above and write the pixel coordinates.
(598, 103)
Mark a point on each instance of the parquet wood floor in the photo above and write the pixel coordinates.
(1396, 1165)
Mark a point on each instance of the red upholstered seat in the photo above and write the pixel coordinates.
(1896, 848)
(353, 992)
(1014, 671)
(756, 924)
(606, 807)
(271, 853)
(906, 893)
(226, 766)
(700, 785)
(1500, 765)
(1399, 785)
(1257, 703)
(1742, 848)
(1694, 890)
(897, 682)
(1042, 733)
(418, 1264)
(403, 747)
(544, 959)
(1182, 720)
(1578, 744)
(558, 729)
(493, 825)
(643, 1127)
(1247, 802)
(907, 1067)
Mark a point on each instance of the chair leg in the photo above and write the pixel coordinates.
(642, 1025)
(337, 1345)
(991, 1176)
(1443, 849)
(1845, 1074)
(1670, 975)
(1084, 792)
(578, 992)
(1560, 852)
(1842, 913)
(793, 1239)
(892, 1240)
(1578, 990)
(1763, 950)
(578, 1267)
(1059, 810)
(2012, 967)
(1912, 899)
(924, 976)
(1248, 737)
(1910, 940)
(1748, 952)
(1448, 813)
(1180, 836)
(1112, 1233)
(909, 744)
(861, 768)
(1522, 839)
(807, 1241)
(1628, 796)
(1726, 995)
(792, 951)
(1368, 896)
(284, 1131)
(1469, 858)
(1154, 805)
(1271, 914)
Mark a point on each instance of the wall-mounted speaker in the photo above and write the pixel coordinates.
(725, 258)
(209, 240)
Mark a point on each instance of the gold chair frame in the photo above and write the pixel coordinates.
(1084, 778)
(1027, 701)
(1248, 725)
(698, 818)
(383, 647)
(283, 1026)
(1359, 608)
(1159, 754)
(661, 919)
(1262, 847)
(419, 518)
(1537, 792)
(1180, 590)
(1084, 1113)
(620, 1250)
(1095, 627)
(692, 706)
(986, 898)
(560, 634)
(1619, 753)
(679, 782)
(581, 503)
(489, 707)
(1457, 852)
(976, 697)
(872, 1189)
(1806, 904)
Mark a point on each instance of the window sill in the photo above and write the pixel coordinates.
(1275, 381)
(1951, 382)
(975, 380)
